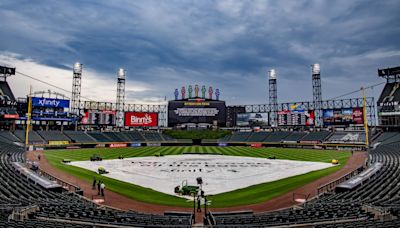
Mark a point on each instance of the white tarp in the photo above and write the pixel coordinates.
(219, 173)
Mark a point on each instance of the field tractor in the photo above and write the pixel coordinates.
(186, 190)
(102, 170)
(335, 162)
(95, 157)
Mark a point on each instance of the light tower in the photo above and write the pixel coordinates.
(76, 89)
(317, 94)
(120, 98)
(273, 97)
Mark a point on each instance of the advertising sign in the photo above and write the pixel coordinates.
(58, 142)
(141, 119)
(343, 116)
(251, 119)
(256, 145)
(358, 117)
(49, 102)
(118, 145)
(135, 144)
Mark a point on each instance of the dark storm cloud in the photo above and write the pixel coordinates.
(227, 44)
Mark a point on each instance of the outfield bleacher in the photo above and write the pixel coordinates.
(33, 137)
(258, 136)
(295, 136)
(114, 136)
(346, 137)
(277, 136)
(53, 136)
(152, 136)
(316, 136)
(99, 136)
(79, 137)
(240, 136)
(7, 136)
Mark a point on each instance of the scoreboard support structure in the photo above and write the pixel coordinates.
(327, 104)
(161, 109)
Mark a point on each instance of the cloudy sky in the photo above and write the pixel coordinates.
(230, 45)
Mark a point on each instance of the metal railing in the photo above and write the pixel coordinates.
(331, 185)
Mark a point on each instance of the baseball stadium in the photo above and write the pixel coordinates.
(72, 156)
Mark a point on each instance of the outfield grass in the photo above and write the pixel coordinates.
(250, 195)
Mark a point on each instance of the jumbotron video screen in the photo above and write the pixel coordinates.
(196, 111)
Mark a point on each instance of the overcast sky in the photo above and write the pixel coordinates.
(229, 45)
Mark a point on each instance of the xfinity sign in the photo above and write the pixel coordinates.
(49, 102)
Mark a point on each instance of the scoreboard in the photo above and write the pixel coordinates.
(295, 118)
(93, 117)
(196, 110)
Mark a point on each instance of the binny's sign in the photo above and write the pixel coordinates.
(49, 102)
(141, 119)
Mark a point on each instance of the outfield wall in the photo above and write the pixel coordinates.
(304, 145)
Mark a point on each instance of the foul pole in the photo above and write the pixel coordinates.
(28, 118)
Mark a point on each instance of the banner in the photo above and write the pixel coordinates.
(153, 144)
(141, 119)
(358, 117)
(10, 116)
(118, 145)
(256, 145)
(135, 144)
(58, 142)
(49, 102)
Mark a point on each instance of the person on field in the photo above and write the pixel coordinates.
(198, 204)
(98, 187)
(94, 183)
(102, 187)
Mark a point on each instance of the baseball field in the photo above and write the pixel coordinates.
(243, 196)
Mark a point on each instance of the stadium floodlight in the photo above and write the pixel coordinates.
(272, 74)
(316, 69)
(77, 68)
(121, 73)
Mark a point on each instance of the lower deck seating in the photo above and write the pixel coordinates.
(382, 191)
(19, 193)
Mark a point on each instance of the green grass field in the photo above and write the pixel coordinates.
(250, 195)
